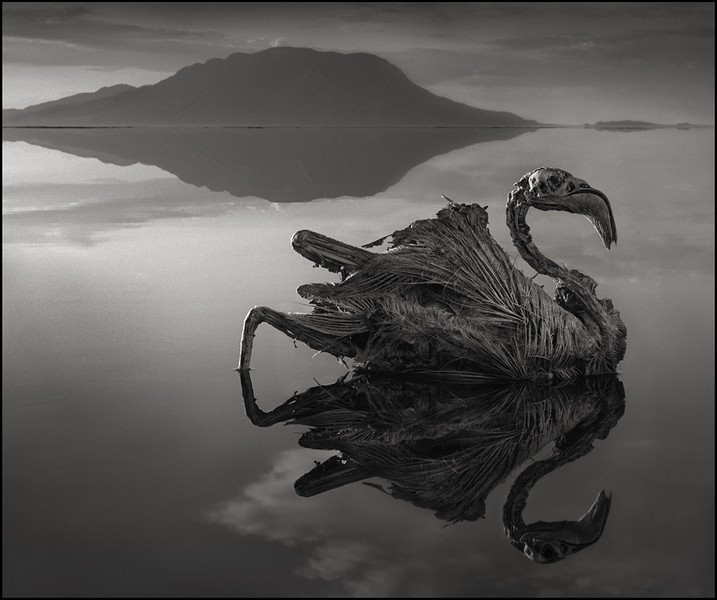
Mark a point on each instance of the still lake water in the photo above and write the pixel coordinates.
(130, 259)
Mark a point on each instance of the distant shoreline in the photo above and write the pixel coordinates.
(532, 127)
(285, 126)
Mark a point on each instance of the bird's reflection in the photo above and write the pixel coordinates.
(444, 445)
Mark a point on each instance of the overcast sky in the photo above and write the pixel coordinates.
(555, 62)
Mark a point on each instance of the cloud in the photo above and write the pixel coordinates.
(84, 214)
(65, 36)
(79, 25)
(329, 540)
(360, 543)
(654, 54)
(677, 238)
(335, 560)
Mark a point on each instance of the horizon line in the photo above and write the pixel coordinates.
(328, 126)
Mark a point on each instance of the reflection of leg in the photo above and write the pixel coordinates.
(257, 416)
(301, 408)
(330, 332)
(329, 253)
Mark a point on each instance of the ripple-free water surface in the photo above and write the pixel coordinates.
(130, 467)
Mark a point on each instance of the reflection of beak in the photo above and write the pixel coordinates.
(594, 520)
(575, 535)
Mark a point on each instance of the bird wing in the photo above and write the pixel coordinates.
(446, 288)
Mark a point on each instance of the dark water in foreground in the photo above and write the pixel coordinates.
(130, 467)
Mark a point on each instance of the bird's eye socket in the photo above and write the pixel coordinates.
(570, 187)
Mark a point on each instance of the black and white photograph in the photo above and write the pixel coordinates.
(358, 299)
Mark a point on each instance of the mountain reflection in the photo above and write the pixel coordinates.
(445, 446)
(277, 164)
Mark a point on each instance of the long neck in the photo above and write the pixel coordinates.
(518, 496)
(516, 210)
(609, 394)
(601, 320)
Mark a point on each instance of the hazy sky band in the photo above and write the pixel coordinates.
(554, 62)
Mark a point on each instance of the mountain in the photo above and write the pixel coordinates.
(77, 100)
(627, 124)
(275, 87)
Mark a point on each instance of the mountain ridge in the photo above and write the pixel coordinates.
(274, 87)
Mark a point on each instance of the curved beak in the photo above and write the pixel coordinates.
(596, 207)
(569, 536)
(586, 201)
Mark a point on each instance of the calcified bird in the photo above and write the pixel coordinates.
(445, 297)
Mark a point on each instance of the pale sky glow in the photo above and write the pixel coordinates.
(554, 62)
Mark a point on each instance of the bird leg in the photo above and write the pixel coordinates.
(330, 332)
(331, 254)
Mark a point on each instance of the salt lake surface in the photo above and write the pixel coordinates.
(130, 259)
